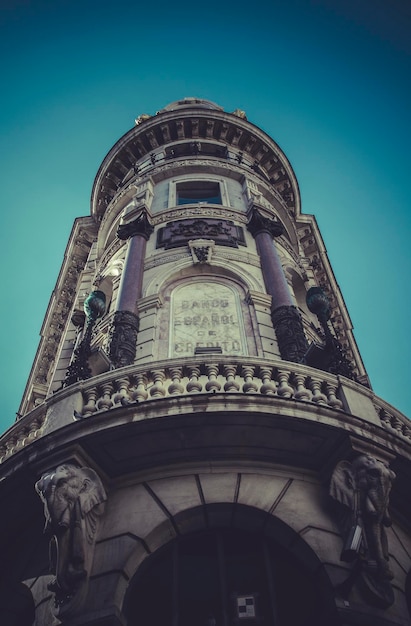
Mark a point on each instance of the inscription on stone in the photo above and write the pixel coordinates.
(206, 315)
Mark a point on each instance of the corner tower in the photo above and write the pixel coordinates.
(198, 421)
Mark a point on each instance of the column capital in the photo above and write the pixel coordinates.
(140, 226)
(258, 223)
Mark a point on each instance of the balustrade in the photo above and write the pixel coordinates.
(22, 434)
(138, 384)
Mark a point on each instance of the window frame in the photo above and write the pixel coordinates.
(197, 178)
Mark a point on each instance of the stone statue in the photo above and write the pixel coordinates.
(73, 500)
(363, 487)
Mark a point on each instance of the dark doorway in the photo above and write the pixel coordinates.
(224, 577)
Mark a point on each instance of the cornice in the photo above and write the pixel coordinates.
(170, 127)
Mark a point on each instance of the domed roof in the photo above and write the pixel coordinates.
(196, 103)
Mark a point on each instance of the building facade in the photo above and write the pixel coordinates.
(198, 442)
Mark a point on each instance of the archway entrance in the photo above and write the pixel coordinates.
(226, 577)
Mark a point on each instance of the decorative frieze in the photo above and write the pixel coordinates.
(199, 211)
(223, 232)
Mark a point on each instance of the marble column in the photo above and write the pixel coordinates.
(123, 334)
(285, 316)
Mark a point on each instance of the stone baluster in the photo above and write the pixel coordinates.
(249, 386)
(383, 415)
(122, 394)
(123, 333)
(3, 451)
(333, 401)
(10, 445)
(285, 316)
(315, 386)
(30, 433)
(212, 372)
(19, 440)
(229, 373)
(268, 388)
(90, 397)
(194, 385)
(176, 388)
(34, 429)
(397, 424)
(140, 393)
(104, 403)
(301, 393)
(158, 389)
(284, 389)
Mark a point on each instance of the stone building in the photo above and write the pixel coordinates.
(199, 443)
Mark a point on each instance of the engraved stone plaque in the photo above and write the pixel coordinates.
(206, 315)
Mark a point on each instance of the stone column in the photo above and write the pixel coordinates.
(285, 316)
(123, 334)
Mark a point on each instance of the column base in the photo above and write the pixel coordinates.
(289, 330)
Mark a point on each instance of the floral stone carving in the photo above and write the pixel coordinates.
(362, 488)
(73, 500)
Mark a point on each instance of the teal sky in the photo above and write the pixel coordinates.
(329, 80)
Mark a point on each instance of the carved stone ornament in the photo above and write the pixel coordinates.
(123, 338)
(289, 331)
(201, 250)
(362, 488)
(223, 232)
(140, 226)
(260, 224)
(73, 500)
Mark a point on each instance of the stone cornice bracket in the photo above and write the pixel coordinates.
(140, 226)
(258, 223)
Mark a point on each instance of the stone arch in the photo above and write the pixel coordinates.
(304, 578)
(184, 267)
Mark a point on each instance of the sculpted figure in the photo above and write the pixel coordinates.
(363, 487)
(73, 500)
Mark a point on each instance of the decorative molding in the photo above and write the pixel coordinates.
(223, 232)
(200, 210)
(259, 223)
(140, 226)
(164, 259)
(123, 338)
(289, 330)
(201, 250)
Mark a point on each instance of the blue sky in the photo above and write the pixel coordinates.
(329, 80)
